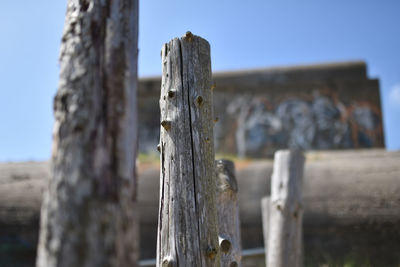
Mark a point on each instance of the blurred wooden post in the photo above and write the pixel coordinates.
(187, 226)
(265, 202)
(88, 214)
(228, 214)
(286, 210)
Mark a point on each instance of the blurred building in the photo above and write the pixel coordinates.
(311, 107)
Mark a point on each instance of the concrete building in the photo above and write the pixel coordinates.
(327, 106)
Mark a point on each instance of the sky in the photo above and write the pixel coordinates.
(242, 34)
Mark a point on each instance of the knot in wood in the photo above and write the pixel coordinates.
(171, 93)
(211, 252)
(166, 124)
(225, 245)
(199, 101)
(188, 36)
(159, 148)
(167, 262)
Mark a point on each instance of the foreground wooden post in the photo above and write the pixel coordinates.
(228, 214)
(187, 226)
(88, 216)
(286, 210)
(265, 204)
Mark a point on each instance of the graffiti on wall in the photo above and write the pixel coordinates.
(320, 122)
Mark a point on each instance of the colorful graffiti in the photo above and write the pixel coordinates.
(320, 122)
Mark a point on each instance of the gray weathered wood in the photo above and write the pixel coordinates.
(265, 203)
(286, 210)
(88, 216)
(250, 258)
(187, 226)
(228, 214)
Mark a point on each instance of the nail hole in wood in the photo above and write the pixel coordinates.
(171, 93)
(225, 246)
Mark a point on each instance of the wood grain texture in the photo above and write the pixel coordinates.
(286, 210)
(88, 216)
(187, 228)
(265, 204)
(228, 214)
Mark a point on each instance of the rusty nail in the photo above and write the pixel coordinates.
(166, 124)
(216, 119)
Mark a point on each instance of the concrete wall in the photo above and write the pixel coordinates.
(351, 207)
(329, 106)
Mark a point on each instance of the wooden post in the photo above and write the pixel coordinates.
(265, 204)
(286, 210)
(228, 214)
(187, 225)
(88, 216)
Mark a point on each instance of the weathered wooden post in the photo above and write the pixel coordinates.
(88, 216)
(228, 214)
(265, 204)
(187, 226)
(286, 210)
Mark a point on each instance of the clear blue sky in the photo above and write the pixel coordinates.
(242, 34)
